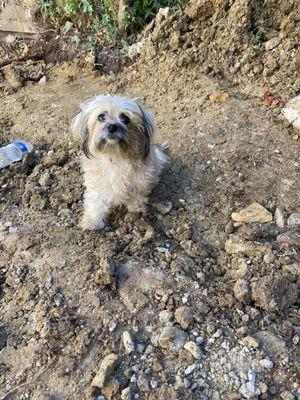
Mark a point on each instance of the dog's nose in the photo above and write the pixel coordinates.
(112, 128)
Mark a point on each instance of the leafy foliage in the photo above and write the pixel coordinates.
(92, 17)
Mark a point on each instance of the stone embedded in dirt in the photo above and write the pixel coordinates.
(107, 366)
(11, 242)
(172, 338)
(44, 79)
(272, 43)
(289, 239)
(279, 218)
(274, 293)
(110, 389)
(127, 394)
(190, 369)
(236, 246)
(287, 395)
(12, 77)
(250, 342)
(164, 207)
(266, 363)
(193, 349)
(183, 316)
(143, 383)
(291, 111)
(106, 273)
(294, 220)
(128, 342)
(254, 213)
(45, 180)
(248, 390)
(270, 343)
(219, 97)
(242, 291)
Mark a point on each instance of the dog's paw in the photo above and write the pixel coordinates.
(86, 225)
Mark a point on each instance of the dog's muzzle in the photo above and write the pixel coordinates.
(114, 132)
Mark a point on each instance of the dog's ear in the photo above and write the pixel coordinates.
(80, 132)
(147, 129)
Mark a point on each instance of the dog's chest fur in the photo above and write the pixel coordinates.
(118, 179)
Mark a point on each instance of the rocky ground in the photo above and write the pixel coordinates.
(197, 299)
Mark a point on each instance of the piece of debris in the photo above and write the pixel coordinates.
(291, 111)
(107, 366)
(254, 213)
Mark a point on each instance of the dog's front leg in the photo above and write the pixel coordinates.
(95, 211)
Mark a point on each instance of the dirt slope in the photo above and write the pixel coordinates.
(209, 306)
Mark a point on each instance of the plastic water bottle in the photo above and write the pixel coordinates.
(13, 152)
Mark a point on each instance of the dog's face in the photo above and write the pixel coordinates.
(110, 123)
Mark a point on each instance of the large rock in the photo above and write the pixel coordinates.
(254, 213)
(172, 338)
(292, 111)
(107, 366)
(274, 293)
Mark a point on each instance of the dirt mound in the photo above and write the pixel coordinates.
(242, 41)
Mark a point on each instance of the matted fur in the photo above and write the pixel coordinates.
(120, 167)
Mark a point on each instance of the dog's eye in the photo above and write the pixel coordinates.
(101, 117)
(124, 119)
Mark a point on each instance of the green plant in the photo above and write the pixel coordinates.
(260, 35)
(88, 18)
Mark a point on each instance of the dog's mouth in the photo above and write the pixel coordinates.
(115, 136)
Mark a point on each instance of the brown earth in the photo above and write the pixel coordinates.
(209, 305)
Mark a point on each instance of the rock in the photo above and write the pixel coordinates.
(111, 389)
(236, 246)
(193, 349)
(263, 387)
(143, 383)
(269, 258)
(254, 213)
(291, 111)
(128, 342)
(287, 396)
(164, 208)
(266, 363)
(44, 79)
(242, 291)
(183, 316)
(190, 369)
(250, 342)
(12, 77)
(219, 97)
(172, 338)
(289, 239)
(248, 390)
(279, 218)
(45, 180)
(270, 343)
(107, 366)
(294, 220)
(272, 43)
(274, 293)
(127, 394)
(106, 273)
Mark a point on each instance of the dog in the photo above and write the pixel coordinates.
(121, 165)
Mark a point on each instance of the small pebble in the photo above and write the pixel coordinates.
(266, 363)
